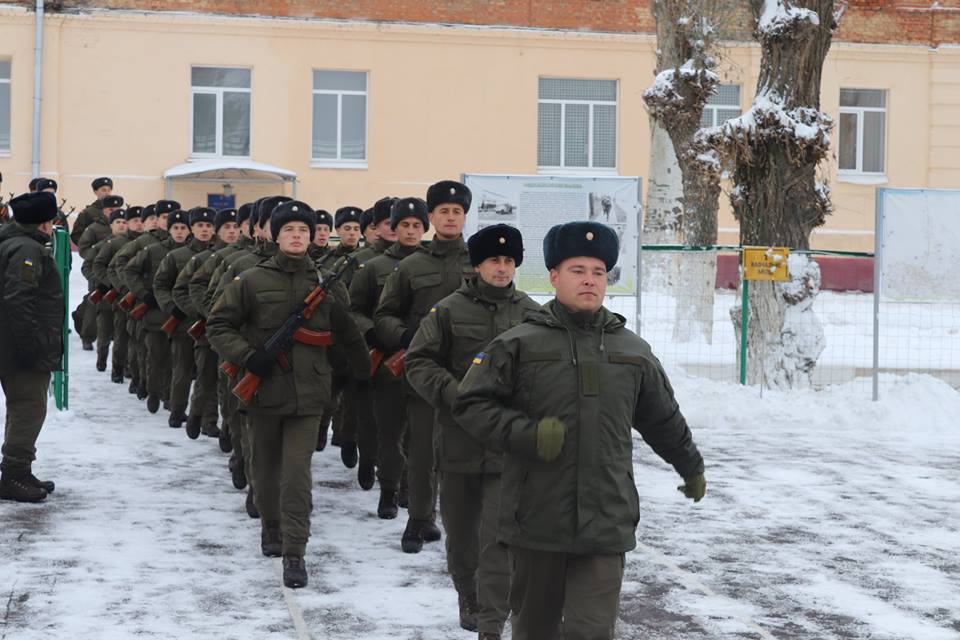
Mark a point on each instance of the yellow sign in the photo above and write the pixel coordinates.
(765, 263)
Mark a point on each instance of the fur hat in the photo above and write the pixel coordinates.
(34, 208)
(266, 207)
(133, 212)
(112, 202)
(166, 206)
(101, 182)
(223, 217)
(179, 216)
(324, 217)
(45, 183)
(496, 240)
(243, 213)
(292, 211)
(366, 219)
(202, 214)
(149, 210)
(117, 214)
(449, 191)
(382, 209)
(409, 208)
(347, 214)
(575, 239)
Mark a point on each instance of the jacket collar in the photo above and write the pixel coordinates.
(447, 247)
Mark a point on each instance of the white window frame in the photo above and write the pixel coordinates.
(858, 172)
(5, 152)
(339, 162)
(562, 169)
(218, 92)
(714, 109)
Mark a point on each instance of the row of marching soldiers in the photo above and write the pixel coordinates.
(280, 334)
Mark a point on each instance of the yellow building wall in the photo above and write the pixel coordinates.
(441, 101)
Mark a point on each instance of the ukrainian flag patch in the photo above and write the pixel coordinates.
(479, 358)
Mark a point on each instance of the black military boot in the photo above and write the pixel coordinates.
(468, 611)
(20, 489)
(348, 454)
(224, 440)
(271, 541)
(251, 505)
(153, 404)
(488, 635)
(193, 426)
(87, 345)
(46, 485)
(133, 386)
(387, 508)
(142, 391)
(412, 540)
(176, 419)
(294, 572)
(367, 474)
(116, 376)
(166, 405)
(101, 361)
(403, 496)
(210, 430)
(431, 532)
(237, 475)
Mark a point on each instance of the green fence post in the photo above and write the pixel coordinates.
(61, 378)
(744, 315)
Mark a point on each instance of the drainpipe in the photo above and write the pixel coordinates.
(37, 89)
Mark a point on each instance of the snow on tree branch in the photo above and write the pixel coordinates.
(778, 18)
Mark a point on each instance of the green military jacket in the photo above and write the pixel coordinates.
(90, 257)
(601, 380)
(101, 263)
(128, 251)
(93, 211)
(419, 282)
(455, 330)
(318, 253)
(255, 304)
(182, 293)
(96, 231)
(360, 256)
(368, 281)
(334, 256)
(166, 278)
(139, 274)
(204, 272)
(224, 271)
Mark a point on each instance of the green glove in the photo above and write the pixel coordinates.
(694, 488)
(550, 435)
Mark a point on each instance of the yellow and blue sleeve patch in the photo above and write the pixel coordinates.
(479, 358)
(433, 309)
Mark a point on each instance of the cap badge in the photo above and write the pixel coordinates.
(411, 206)
(503, 240)
(589, 235)
(453, 190)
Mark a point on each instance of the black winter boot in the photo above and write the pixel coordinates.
(176, 419)
(366, 474)
(193, 427)
(468, 611)
(210, 430)
(46, 485)
(153, 404)
(271, 541)
(412, 540)
(431, 532)
(348, 454)
(116, 377)
(251, 505)
(387, 508)
(224, 440)
(20, 489)
(102, 361)
(237, 475)
(294, 572)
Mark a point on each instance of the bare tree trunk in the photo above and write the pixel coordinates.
(774, 150)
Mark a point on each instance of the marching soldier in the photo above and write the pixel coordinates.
(320, 246)
(202, 417)
(456, 329)
(139, 274)
(558, 396)
(31, 343)
(347, 223)
(50, 185)
(98, 229)
(285, 413)
(408, 222)
(102, 187)
(181, 344)
(98, 277)
(367, 229)
(419, 282)
(108, 283)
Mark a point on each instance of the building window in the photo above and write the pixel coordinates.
(4, 105)
(221, 111)
(577, 124)
(863, 130)
(339, 117)
(723, 105)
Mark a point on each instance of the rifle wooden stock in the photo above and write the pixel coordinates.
(95, 296)
(376, 358)
(396, 364)
(140, 310)
(126, 302)
(111, 296)
(170, 326)
(230, 369)
(247, 386)
(197, 329)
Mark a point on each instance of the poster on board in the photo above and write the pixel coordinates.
(533, 204)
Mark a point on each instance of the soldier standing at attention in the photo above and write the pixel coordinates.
(102, 187)
(118, 226)
(419, 282)
(367, 228)
(181, 344)
(558, 396)
(202, 417)
(139, 274)
(285, 413)
(347, 223)
(456, 329)
(97, 230)
(31, 342)
(320, 246)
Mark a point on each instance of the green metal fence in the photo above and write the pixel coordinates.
(60, 384)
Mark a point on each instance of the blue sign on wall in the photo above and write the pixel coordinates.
(219, 201)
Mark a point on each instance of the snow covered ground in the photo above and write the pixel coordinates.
(827, 516)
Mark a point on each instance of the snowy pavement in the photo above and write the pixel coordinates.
(827, 516)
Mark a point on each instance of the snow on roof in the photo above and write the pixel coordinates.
(228, 168)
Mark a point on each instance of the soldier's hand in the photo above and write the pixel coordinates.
(260, 363)
(550, 435)
(694, 487)
(407, 336)
(177, 313)
(150, 299)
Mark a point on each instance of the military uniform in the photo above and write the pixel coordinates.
(93, 211)
(105, 280)
(96, 231)
(456, 329)
(419, 282)
(318, 253)
(285, 413)
(31, 342)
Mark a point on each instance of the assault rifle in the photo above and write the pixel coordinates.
(291, 331)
